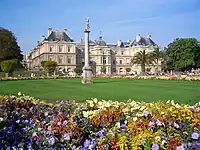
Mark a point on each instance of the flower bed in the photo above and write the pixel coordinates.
(187, 78)
(28, 123)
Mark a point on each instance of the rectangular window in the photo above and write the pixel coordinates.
(68, 49)
(109, 60)
(60, 48)
(104, 60)
(127, 60)
(113, 62)
(68, 60)
(101, 60)
(60, 60)
(122, 53)
(120, 61)
(50, 49)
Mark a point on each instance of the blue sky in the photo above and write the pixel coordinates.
(165, 20)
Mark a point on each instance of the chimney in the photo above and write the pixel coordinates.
(119, 42)
(49, 31)
(65, 30)
(43, 38)
(81, 41)
(148, 36)
(38, 42)
(138, 37)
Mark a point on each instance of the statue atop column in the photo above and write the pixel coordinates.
(87, 69)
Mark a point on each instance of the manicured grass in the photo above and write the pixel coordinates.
(108, 89)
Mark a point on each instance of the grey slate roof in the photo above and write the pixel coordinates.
(100, 41)
(143, 41)
(59, 36)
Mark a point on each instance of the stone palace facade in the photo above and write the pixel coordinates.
(114, 58)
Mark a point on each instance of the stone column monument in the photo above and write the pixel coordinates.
(87, 69)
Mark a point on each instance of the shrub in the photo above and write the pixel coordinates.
(78, 70)
(50, 66)
(8, 66)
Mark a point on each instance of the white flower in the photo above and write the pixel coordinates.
(135, 118)
(180, 147)
(176, 125)
(100, 103)
(46, 113)
(85, 114)
(18, 121)
(34, 134)
(19, 93)
(158, 138)
(163, 142)
(1, 119)
(118, 124)
(95, 100)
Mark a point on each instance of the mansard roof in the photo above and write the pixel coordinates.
(59, 36)
(100, 41)
(144, 41)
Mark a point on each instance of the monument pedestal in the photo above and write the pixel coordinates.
(87, 75)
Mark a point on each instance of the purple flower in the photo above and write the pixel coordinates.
(155, 147)
(146, 113)
(59, 123)
(151, 123)
(66, 137)
(87, 143)
(51, 140)
(92, 144)
(195, 136)
(100, 133)
(197, 145)
(65, 122)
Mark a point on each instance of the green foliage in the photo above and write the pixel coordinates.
(183, 54)
(142, 58)
(157, 56)
(9, 48)
(50, 66)
(103, 70)
(78, 70)
(42, 63)
(128, 69)
(8, 66)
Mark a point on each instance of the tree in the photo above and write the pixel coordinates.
(42, 63)
(157, 55)
(128, 70)
(78, 70)
(103, 70)
(143, 58)
(183, 54)
(50, 66)
(9, 48)
(8, 66)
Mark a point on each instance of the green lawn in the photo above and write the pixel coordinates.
(113, 89)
